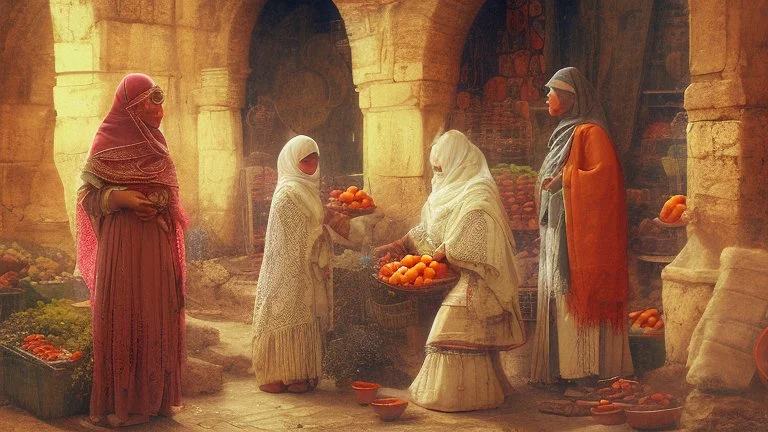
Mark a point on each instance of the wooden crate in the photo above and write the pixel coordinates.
(43, 390)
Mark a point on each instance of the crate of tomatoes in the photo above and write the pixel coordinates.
(38, 378)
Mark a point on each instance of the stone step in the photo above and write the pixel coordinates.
(223, 288)
(200, 335)
(201, 377)
(233, 350)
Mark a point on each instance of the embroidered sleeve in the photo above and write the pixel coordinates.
(471, 243)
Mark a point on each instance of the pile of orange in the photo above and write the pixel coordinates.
(413, 270)
(352, 198)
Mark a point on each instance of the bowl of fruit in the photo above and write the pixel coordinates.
(607, 413)
(351, 201)
(416, 274)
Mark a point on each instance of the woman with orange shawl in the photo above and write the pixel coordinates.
(131, 256)
(583, 281)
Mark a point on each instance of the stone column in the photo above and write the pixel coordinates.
(219, 145)
(405, 94)
(727, 171)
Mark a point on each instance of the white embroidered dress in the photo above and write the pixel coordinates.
(481, 315)
(294, 292)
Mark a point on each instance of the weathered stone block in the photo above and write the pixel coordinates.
(394, 94)
(715, 176)
(714, 94)
(25, 131)
(201, 377)
(83, 101)
(72, 20)
(73, 57)
(200, 335)
(684, 303)
(709, 36)
(395, 143)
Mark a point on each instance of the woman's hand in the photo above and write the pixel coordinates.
(395, 249)
(339, 222)
(134, 200)
(439, 254)
(552, 182)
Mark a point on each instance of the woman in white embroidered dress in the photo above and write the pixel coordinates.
(463, 221)
(293, 305)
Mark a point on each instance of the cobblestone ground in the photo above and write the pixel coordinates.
(240, 406)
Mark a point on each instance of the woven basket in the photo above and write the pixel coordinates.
(394, 316)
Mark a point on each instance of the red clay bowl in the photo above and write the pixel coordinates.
(615, 417)
(761, 356)
(389, 409)
(654, 419)
(365, 392)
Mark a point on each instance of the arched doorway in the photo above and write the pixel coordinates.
(300, 83)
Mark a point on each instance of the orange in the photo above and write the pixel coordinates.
(426, 259)
(386, 271)
(402, 270)
(353, 190)
(420, 266)
(366, 202)
(359, 195)
(354, 205)
(394, 279)
(393, 266)
(441, 271)
(396, 264)
(347, 197)
(433, 264)
(411, 275)
(409, 260)
(429, 273)
(427, 281)
(419, 281)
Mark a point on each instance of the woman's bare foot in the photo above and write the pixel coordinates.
(273, 387)
(133, 419)
(303, 386)
(299, 387)
(170, 411)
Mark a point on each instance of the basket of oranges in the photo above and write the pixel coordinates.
(351, 201)
(416, 274)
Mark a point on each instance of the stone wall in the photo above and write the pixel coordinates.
(31, 196)
(727, 173)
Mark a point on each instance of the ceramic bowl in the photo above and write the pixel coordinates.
(614, 417)
(761, 356)
(365, 392)
(654, 419)
(389, 409)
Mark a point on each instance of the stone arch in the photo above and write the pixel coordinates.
(32, 198)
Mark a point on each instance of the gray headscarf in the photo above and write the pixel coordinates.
(586, 109)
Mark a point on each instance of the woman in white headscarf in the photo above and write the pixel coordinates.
(463, 221)
(294, 291)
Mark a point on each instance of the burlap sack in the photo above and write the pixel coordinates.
(720, 352)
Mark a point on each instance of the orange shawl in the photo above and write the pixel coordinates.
(596, 227)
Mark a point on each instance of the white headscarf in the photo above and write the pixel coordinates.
(463, 168)
(289, 174)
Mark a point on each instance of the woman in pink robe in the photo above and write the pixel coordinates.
(131, 255)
